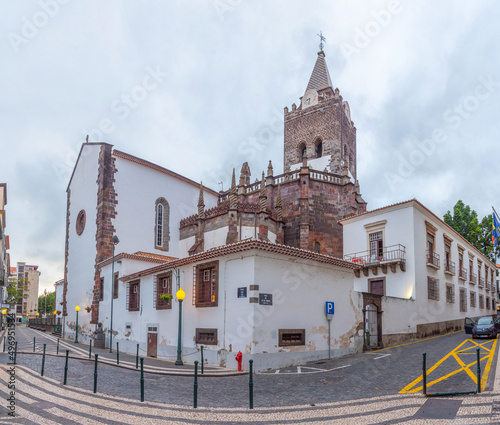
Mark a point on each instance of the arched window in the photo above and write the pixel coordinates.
(162, 231)
(319, 149)
(317, 247)
(302, 151)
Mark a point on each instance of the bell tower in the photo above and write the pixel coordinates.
(320, 128)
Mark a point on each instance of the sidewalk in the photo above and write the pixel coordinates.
(125, 360)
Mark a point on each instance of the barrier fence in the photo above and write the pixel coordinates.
(141, 359)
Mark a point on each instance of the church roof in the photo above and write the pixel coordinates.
(320, 77)
(242, 246)
(140, 256)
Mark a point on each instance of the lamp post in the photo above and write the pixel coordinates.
(180, 296)
(116, 241)
(77, 309)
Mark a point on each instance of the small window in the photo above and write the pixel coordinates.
(472, 299)
(432, 288)
(101, 289)
(319, 149)
(450, 293)
(162, 231)
(317, 247)
(164, 289)
(115, 285)
(481, 301)
(377, 287)
(80, 222)
(133, 296)
(487, 303)
(292, 337)
(463, 299)
(206, 284)
(206, 336)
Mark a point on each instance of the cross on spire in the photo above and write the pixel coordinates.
(321, 39)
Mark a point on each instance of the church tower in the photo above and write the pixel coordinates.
(320, 128)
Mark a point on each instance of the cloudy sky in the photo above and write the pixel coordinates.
(200, 87)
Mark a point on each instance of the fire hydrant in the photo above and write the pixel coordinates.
(239, 358)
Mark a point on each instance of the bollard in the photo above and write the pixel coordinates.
(202, 362)
(4, 338)
(66, 368)
(142, 378)
(424, 374)
(34, 344)
(95, 374)
(250, 383)
(90, 350)
(43, 358)
(478, 372)
(368, 338)
(57, 351)
(117, 355)
(195, 387)
(137, 357)
(15, 352)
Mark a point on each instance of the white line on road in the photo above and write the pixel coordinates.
(379, 357)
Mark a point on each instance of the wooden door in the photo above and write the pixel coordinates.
(152, 344)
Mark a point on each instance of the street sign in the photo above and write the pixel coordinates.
(242, 292)
(329, 307)
(266, 299)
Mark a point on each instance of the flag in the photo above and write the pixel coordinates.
(496, 228)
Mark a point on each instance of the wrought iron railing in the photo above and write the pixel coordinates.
(462, 273)
(481, 282)
(432, 258)
(449, 266)
(387, 254)
(473, 278)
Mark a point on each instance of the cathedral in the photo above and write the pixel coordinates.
(266, 266)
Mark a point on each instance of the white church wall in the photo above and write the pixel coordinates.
(138, 187)
(81, 254)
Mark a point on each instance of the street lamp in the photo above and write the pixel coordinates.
(116, 241)
(77, 309)
(180, 296)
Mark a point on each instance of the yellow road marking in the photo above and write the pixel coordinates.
(412, 387)
(414, 342)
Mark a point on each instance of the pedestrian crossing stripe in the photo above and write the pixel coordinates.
(486, 356)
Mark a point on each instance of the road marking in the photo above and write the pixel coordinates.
(299, 370)
(414, 342)
(379, 357)
(488, 356)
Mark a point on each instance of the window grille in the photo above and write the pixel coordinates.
(432, 288)
(463, 299)
(450, 293)
(162, 284)
(206, 283)
(472, 299)
(206, 336)
(481, 301)
(133, 296)
(292, 337)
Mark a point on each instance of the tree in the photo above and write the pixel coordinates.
(46, 302)
(15, 290)
(465, 221)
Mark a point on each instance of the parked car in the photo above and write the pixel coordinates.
(484, 327)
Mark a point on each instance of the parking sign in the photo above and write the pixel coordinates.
(329, 307)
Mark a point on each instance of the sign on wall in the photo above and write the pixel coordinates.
(242, 292)
(329, 307)
(266, 299)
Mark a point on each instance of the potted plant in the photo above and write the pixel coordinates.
(166, 297)
(88, 309)
(61, 303)
(58, 312)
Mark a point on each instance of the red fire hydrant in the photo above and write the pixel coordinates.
(239, 358)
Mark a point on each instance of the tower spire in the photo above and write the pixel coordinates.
(320, 77)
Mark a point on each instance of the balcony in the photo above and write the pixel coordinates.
(462, 273)
(391, 256)
(488, 286)
(481, 282)
(432, 259)
(473, 278)
(449, 267)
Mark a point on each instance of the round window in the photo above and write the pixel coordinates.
(80, 222)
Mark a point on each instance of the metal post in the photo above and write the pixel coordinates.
(15, 352)
(195, 394)
(478, 372)
(202, 362)
(142, 378)
(117, 354)
(4, 338)
(66, 368)
(178, 362)
(250, 382)
(137, 357)
(34, 344)
(43, 359)
(95, 374)
(424, 374)
(329, 343)
(76, 339)
(57, 350)
(90, 350)
(115, 241)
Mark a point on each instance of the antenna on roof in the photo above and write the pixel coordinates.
(321, 39)
(87, 139)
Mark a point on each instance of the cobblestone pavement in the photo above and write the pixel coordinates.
(365, 381)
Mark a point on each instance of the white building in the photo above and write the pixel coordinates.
(263, 299)
(418, 276)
